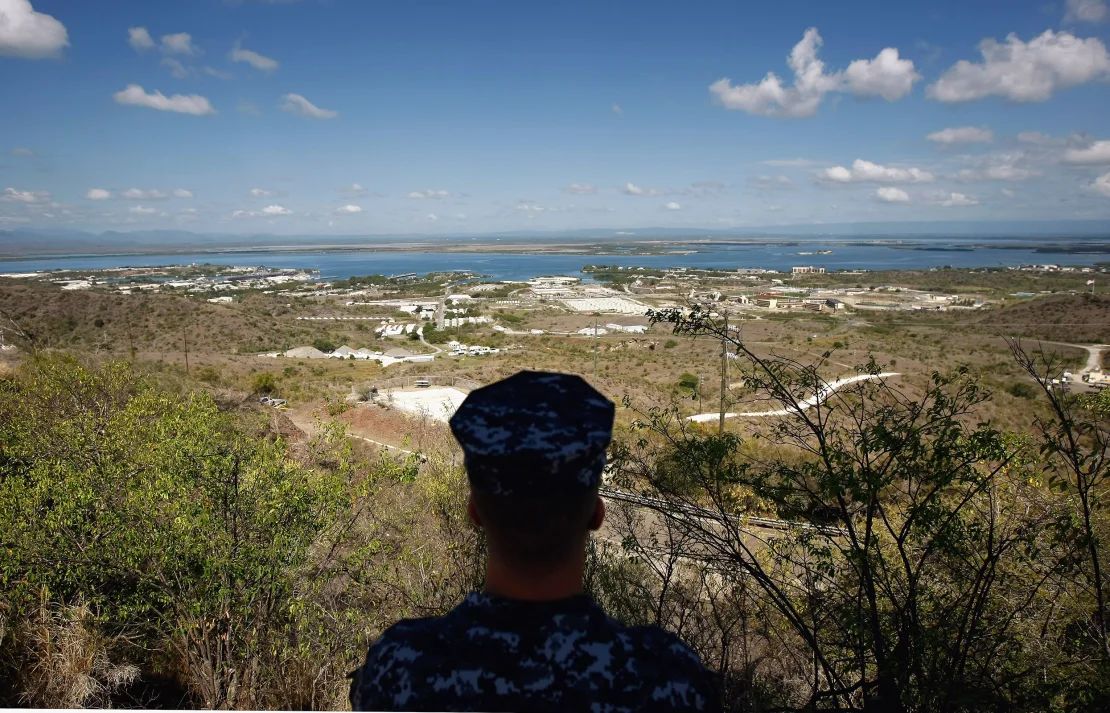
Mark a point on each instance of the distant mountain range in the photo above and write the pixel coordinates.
(29, 242)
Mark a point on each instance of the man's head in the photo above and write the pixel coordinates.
(534, 446)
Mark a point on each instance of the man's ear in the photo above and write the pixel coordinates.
(472, 511)
(599, 514)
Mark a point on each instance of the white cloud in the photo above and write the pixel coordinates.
(357, 188)
(887, 75)
(962, 135)
(1102, 184)
(616, 109)
(865, 171)
(1024, 72)
(139, 38)
(999, 168)
(182, 193)
(179, 43)
(429, 193)
(958, 200)
(29, 34)
(139, 194)
(632, 189)
(194, 104)
(581, 188)
(276, 210)
(889, 194)
(296, 104)
(1095, 154)
(532, 209)
(177, 69)
(771, 182)
(11, 195)
(141, 210)
(254, 59)
(22, 151)
(432, 217)
(672, 206)
(1036, 138)
(98, 194)
(260, 193)
(1086, 11)
(348, 209)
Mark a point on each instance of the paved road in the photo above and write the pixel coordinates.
(817, 398)
(1094, 354)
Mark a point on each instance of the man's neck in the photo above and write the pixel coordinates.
(538, 585)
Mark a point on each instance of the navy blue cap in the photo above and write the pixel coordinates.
(535, 433)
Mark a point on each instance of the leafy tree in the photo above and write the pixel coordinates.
(905, 551)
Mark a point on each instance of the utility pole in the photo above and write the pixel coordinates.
(724, 376)
(595, 347)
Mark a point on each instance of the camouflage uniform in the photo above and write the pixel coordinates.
(531, 434)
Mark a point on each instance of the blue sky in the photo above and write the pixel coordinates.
(340, 117)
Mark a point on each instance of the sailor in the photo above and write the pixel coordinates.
(534, 446)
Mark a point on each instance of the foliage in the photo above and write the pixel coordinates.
(914, 564)
(196, 547)
(264, 383)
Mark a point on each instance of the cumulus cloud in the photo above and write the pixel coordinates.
(887, 75)
(276, 210)
(179, 43)
(429, 193)
(260, 193)
(632, 189)
(1102, 185)
(1024, 71)
(182, 193)
(296, 104)
(432, 217)
(954, 200)
(139, 194)
(889, 194)
(98, 194)
(141, 210)
(962, 135)
(194, 104)
(139, 38)
(29, 34)
(254, 59)
(1095, 154)
(867, 172)
(672, 206)
(1085, 11)
(581, 188)
(349, 209)
(12, 195)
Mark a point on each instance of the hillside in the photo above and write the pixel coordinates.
(1080, 318)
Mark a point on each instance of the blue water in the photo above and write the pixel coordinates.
(515, 266)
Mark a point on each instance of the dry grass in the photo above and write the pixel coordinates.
(69, 660)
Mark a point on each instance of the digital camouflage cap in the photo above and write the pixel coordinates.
(535, 433)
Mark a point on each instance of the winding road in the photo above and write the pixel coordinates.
(817, 398)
